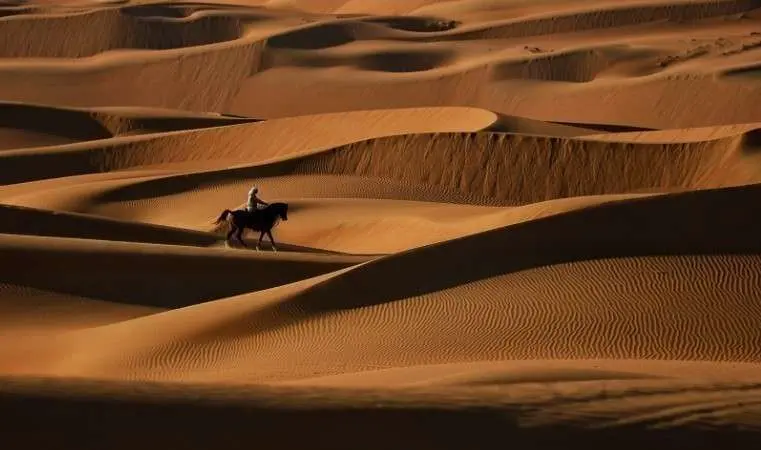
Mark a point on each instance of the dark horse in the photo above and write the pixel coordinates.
(262, 221)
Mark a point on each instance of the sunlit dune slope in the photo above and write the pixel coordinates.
(498, 168)
(231, 144)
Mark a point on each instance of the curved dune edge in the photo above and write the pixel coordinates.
(238, 143)
(29, 125)
(31, 221)
(483, 166)
(29, 312)
(126, 272)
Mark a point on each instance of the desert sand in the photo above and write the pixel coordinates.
(528, 224)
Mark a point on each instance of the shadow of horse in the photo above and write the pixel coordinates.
(262, 221)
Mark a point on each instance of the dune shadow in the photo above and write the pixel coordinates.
(253, 237)
(751, 144)
(315, 37)
(38, 222)
(140, 274)
(133, 124)
(15, 8)
(605, 127)
(416, 24)
(157, 10)
(71, 124)
(404, 60)
(85, 414)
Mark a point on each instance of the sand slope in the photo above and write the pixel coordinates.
(511, 224)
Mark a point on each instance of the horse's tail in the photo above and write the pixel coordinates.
(222, 217)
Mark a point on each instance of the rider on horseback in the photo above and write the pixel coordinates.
(253, 201)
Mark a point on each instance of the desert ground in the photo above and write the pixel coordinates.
(527, 224)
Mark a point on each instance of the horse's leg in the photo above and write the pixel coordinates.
(272, 241)
(259, 242)
(239, 237)
(230, 235)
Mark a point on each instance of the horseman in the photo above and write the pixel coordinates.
(258, 215)
(254, 202)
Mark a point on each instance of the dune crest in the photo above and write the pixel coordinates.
(510, 223)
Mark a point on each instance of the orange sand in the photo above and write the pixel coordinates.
(512, 224)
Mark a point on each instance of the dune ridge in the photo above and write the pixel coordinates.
(510, 223)
(129, 27)
(498, 168)
(22, 124)
(267, 139)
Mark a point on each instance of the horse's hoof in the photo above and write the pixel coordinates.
(257, 248)
(274, 249)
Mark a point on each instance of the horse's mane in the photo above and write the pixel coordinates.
(277, 216)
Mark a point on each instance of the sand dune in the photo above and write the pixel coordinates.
(194, 345)
(78, 34)
(482, 168)
(28, 311)
(180, 265)
(510, 223)
(26, 125)
(261, 141)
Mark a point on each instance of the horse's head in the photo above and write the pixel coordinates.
(280, 209)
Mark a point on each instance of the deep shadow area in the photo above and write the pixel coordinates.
(751, 144)
(23, 167)
(39, 222)
(325, 35)
(404, 61)
(751, 71)
(70, 124)
(606, 127)
(314, 38)
(416, 24)
(266, 247)
(150, 276)
(60, 416)
(121, 125)
(10, 8)
(157, 10)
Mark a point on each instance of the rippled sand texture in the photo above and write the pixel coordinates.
(513, 224)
